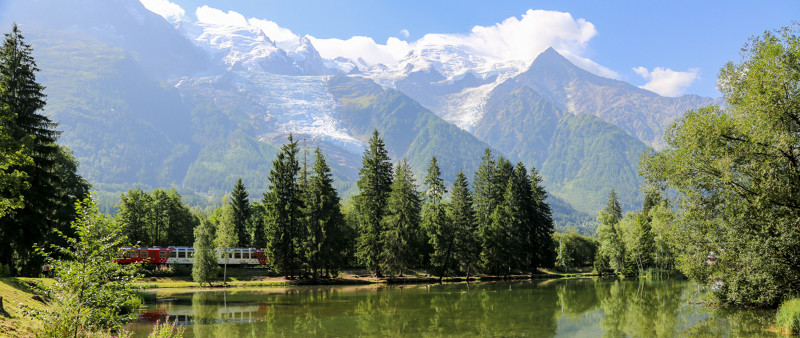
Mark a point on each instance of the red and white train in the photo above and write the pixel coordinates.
(185, 255)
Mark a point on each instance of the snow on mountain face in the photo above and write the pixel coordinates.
(248, 48)
(282, 103)
(447, 90)
(235, 46)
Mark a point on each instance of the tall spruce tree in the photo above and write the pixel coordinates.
(401, 223)
(205, 267)
(14, 154)
(486, 192)
(284, 211)
(466, 242)
(519, 201)
(324, 221)
(375, 185)
(542, 253)
(439, 228)
(48, 203)
(240, 202)
(258, 215)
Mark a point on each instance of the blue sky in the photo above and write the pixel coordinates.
(629, 39)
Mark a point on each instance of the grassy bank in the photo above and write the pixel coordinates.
(15, 292)
(244, 277)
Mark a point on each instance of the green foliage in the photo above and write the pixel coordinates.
(327, 241)
(283, 201)
(788, 317)
(158, 218)
(226, 236)
(91, 291)
(736, 178)
(575, 250)
(374, 185)
(240, 203)
(466, 234)
(638, 238)
(45, 200)
(402, 235)
(541, 222)
(205, 267)
(440, 229)
(612, 246)
(14, 153)
(167, 329)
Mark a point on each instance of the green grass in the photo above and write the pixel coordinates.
(788, 317)
(16, 293)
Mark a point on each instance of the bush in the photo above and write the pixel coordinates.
(5, 271)
(788, 317)
(167, 329)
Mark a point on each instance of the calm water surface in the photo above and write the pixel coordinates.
(583, 307)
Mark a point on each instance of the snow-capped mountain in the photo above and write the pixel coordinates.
(196, 105)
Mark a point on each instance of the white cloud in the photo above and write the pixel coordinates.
(515, 38)
(362, 47)
(667, 82)
(283, 37)
(215, 16)
(170, 11)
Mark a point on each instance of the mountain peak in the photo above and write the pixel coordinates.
(549, 58)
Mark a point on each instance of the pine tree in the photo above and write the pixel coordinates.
(435, 221)
(401, 223)
(497, 255)
(240, 201)
(467, 243)
(14, 154)
(205, 267)
(519, 203)
(48, 203)
(258, 215)
(542, 221)
(374, 184)
(325, 221)
(284, 206)
(486, 193)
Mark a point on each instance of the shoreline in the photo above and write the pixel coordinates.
(147, 283)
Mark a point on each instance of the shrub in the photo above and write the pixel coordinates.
(167, 329)
(788, 318)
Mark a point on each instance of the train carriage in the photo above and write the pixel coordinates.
(185, 255)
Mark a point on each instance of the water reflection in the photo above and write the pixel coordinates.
(542, 309)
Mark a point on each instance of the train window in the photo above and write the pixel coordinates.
(173, 254)
(151, 253)
(237, 255)
(189, 254)
(181, 254)
(163, 254)
(246, 255)
(260, 255)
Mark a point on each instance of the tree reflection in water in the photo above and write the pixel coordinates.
(613, 308)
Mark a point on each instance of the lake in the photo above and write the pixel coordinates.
(573, 307)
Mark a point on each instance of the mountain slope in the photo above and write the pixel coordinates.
(639, 112)
(408, 129)
(580, 157)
